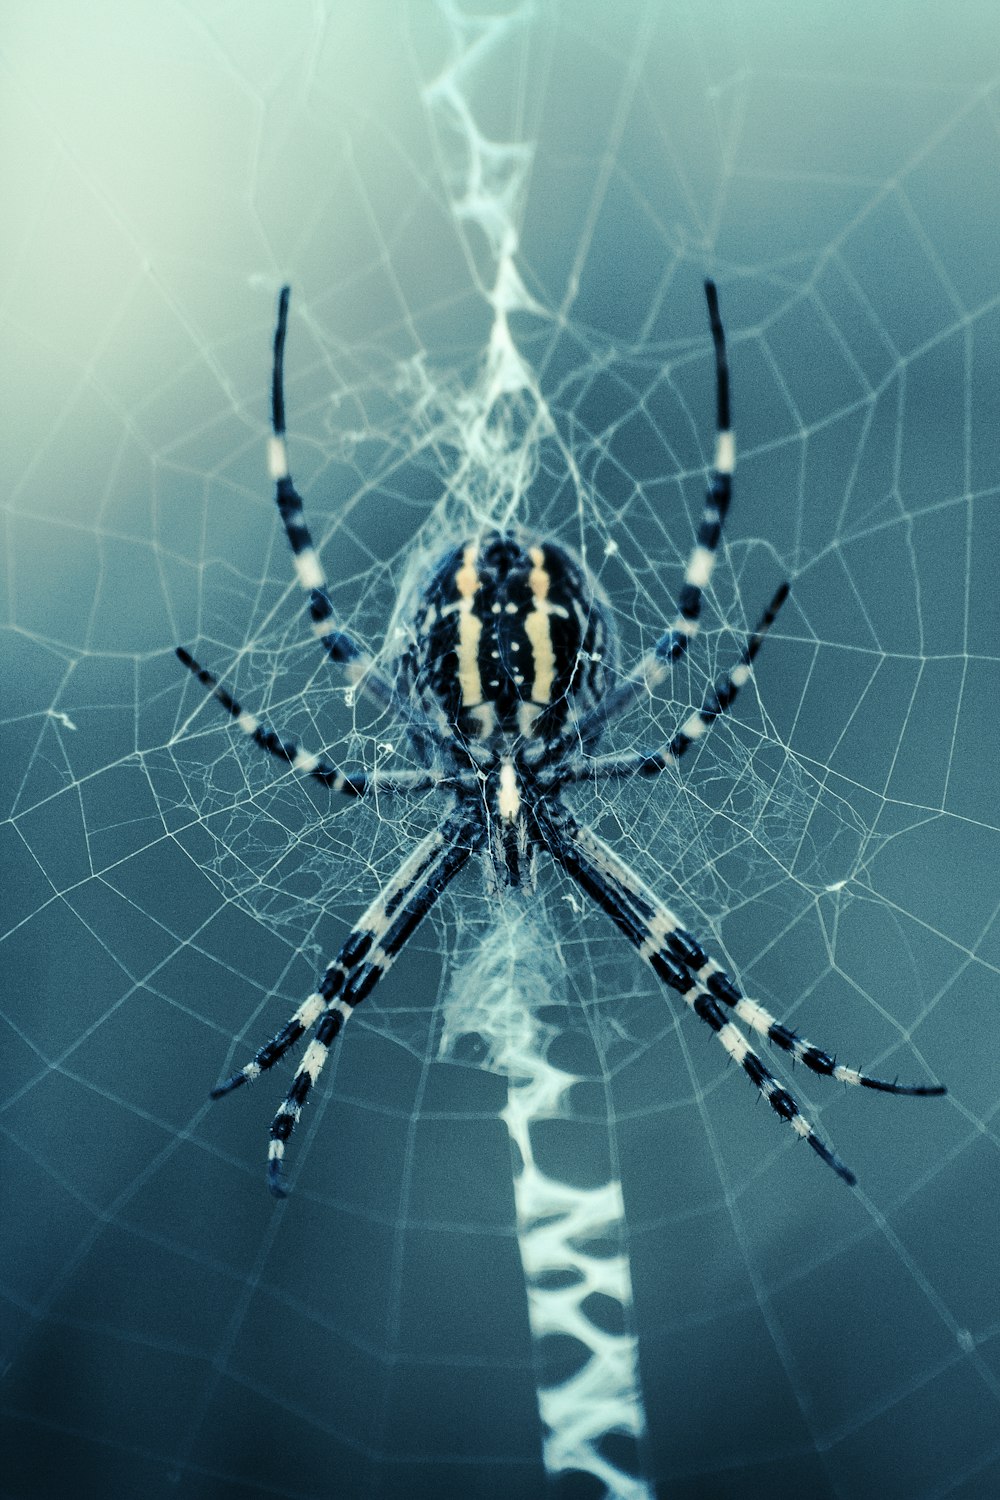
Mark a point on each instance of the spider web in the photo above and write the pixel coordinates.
(168, 893)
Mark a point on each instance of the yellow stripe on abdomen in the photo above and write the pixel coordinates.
(470, 628)
(538, 629)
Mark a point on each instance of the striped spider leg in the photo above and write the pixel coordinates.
(353, 783)
(717, 702)
(338, 643)
(652, 671)
(368, 954)
(680, 962)
(341, 647)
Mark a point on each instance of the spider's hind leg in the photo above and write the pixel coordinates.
(597, 876)
(679, 961)
(367, 954)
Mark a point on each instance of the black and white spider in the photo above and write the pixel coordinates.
(504, 693)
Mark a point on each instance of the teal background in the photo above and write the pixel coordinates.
(169, 1330)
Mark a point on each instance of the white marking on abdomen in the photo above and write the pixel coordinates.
(486, 719)
(527, 713)
(725, 452)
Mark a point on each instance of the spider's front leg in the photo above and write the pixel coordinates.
(337, 642)
(368, 953)
(654, 666)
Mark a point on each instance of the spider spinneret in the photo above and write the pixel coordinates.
(508, 681)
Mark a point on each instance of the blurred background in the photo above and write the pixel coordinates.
(168, 1329)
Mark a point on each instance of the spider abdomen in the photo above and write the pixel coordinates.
(511, 639)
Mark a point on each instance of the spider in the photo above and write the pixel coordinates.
(504, 692)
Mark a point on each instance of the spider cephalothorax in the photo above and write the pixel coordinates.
(508, 681)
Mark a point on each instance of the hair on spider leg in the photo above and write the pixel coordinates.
(508, 681)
